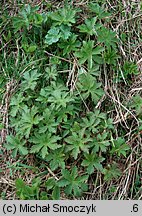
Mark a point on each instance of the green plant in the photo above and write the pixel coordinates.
(29, 118)
(89, 53)
(89, 26)
(56, 158)
(65, 16)
(74, 184)
(34, 192)
(25, 192)
(130, 68)
(17, 104)
(27, 17)
(120, 147)
(43, 142)
(57, 70)
(100, 143)
(137, 104)
(90, 87)
(112, 171)
(77, 143)
(70, 45)
(30, 79)
(52, 184)
(16, 144)
(99, 10)
(111, 57)
(107, 37)
(92, 161)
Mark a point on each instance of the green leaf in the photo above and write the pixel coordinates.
(16, 144)
(120, 147)
(16, 104)
(88, 85)
(111, 56)
(65, 32)
(51, 72)
(19, 183)
(19, 23)
(73, 183)
(28, 120)
(108, 37)
(136, 103)
(56, 158)
(50, 183)
(64, 16)
(56, 193)
(23, 150)
(30, 79)
(77, 143)
(53, 35)
(38, 19)
(70, 45)
(100, 143)
(44, 142)
(92, 161)
(7, 37)
(48, 123)
(25, 192)
(60, 98)
(89, 26)
(26, 18)
(112, 172)
(91, 122)
(130, 68)
(89, 53)
(86, 51)
(98, 10)
(43, 195)
(98, 50)
(29, 48)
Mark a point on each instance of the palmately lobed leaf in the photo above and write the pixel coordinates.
(44, 142)
(64, 16)
(89, 26)
(53, 35)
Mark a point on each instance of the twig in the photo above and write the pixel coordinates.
(123, 107)
(50, 171)
(50, 54)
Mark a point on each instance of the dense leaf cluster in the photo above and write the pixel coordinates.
(53, 112)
